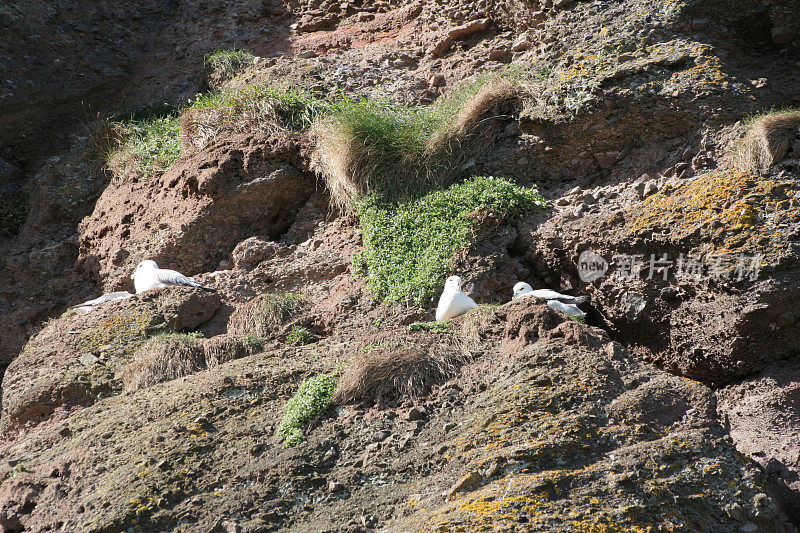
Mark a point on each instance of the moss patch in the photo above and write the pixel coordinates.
(409, 245)
(120, 335)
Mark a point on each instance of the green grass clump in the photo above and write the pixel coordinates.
(299, 336)
(228, 63)
(435, 327)
(409, 245)
(13, 212)
(310, 400)
(379, 147)
(150, 137)
(292, 109)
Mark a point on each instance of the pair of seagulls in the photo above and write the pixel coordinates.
(453, 302)
(146, 276)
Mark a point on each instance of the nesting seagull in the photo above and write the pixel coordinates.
(453, 302)
(571, 310)
(148, 276)
(523, 290)
(86, 307)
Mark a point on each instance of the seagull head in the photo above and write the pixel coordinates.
(520, 289)
(147, 264)
(453, 282)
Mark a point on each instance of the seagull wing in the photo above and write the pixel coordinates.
(568, 309)
(453, 304)
(109, 297)
(173, 277)
(547, 294)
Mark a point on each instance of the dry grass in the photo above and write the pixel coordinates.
(249, 109)
(264, 315)
(767, 140)
(398, 371)
(224, 348)
(202, 125)
(401, 152)
(163, 358)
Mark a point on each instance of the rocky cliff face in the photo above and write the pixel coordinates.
(674, 201)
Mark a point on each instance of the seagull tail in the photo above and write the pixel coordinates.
(207, 289)
(582, 299)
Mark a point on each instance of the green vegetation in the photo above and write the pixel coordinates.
(251, 341)
(149, 138)
(13, 212)
(228, 63)
(396, 151)
(409, 245)
(290, 109)
(299, 336)
(310, 400)
(18, 469)
(435, 327)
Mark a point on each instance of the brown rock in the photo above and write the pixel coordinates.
(469, 28)
(468, 483)
(783, 34)
(440, 48)
(606, 159)
(499, 54)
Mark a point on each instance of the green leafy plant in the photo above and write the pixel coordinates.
(252, 341)
(13, 212)
(409, 245)
(311, 399)
(435, 327)
(299, 336)
(18, 469)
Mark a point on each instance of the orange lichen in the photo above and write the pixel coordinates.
(724, 212)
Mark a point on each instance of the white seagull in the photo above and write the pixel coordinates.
(453, 302)
(148, 276)
(571, 310)
(523, 290)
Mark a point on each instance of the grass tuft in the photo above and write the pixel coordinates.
(162, 358)
(379, 147)
(146, 141)
(299, 336)
(392, 373)
(226, 64)
(264, 314)
(409, 245)
(768, 139)
(311, 399)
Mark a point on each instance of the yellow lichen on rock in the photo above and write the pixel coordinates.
(724, 212)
